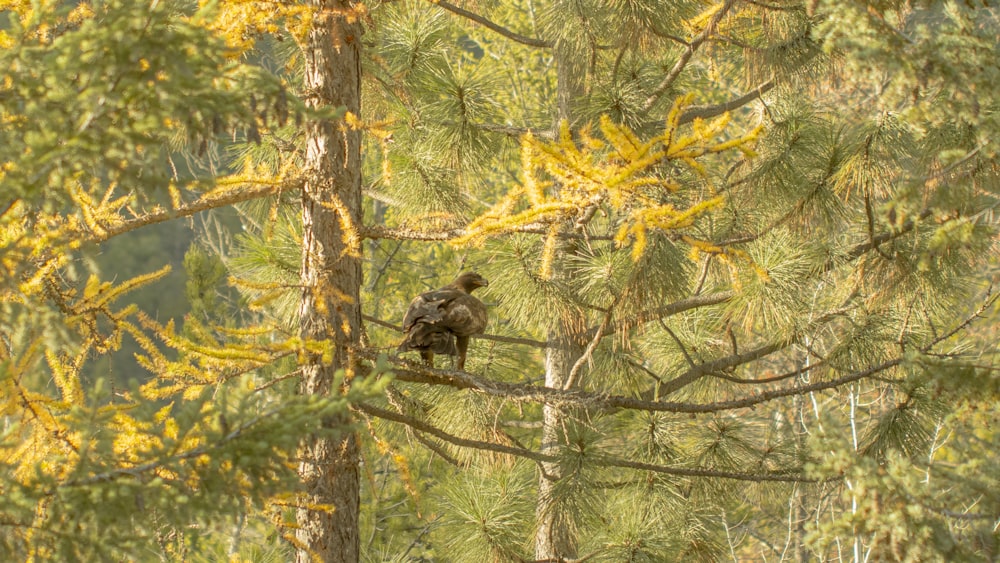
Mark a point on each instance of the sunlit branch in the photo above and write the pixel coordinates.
(377, 232)
(519, 392)
(674, 308)
(204, 203)
(713, 110)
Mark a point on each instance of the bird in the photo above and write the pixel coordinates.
(442, 320)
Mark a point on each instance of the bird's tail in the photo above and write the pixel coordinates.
(435, 341)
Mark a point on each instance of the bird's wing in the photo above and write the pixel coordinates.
(429, 307)
(465, 315)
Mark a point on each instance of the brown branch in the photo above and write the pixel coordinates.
(491, 25)
(667, 310)
(729, 362)
(707, 111)
(408, 233)
(412, 372)
(685, 57)
(601, 461)
(204, 203)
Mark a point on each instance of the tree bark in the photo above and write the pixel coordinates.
(555, 537)
(329, 309)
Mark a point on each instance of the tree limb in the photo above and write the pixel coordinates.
(602, 461)
(521, 392)
(685, 57)
(211, 200)
(493, 26)
(712, 110)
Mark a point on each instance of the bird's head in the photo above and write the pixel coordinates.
(469, 281)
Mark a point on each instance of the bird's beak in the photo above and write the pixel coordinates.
(485, 283)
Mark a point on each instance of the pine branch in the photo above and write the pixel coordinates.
(729, 362)
(674, 308)
(537, 457)
(405, 233)
(713, 110)
(523, 392)
(682, 62)
(493, 26)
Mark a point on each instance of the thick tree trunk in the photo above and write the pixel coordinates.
(331, 279)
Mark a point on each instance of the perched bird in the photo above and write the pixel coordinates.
(441, 321)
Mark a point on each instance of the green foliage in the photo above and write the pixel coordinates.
(738, 273)
(101, 98)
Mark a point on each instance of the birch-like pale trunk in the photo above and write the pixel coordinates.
(555, 535)
(330, 310)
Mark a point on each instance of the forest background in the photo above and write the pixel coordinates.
(741, 257)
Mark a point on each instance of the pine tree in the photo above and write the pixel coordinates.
(795, 268)
(738, 253)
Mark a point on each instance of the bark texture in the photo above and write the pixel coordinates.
(555, 537)
(331, 279)
(556, 534)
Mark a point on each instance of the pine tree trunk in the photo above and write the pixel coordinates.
(555, 539)
(331, 280)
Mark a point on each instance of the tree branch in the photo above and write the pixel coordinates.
(682, 62)
(211, 200)
(407, 233)
(521, 392)
(537, 457)
(491, 25)
(707, 111)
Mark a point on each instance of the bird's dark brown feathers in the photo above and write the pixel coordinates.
(435, 319)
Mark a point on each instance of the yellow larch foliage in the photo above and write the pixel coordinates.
(566, 180)
(241, 22)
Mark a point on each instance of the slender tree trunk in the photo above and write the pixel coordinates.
(555, 537)
(331, 279)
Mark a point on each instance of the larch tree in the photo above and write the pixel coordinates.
(119, 115)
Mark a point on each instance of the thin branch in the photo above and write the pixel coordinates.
(588, 354)
(212, 200)
(697, 372)
(407, 233)
(520, 392)
(677, 341)
(490, 24)
(707, 111)
(667, 310)
(602, 461)
(685, 57)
